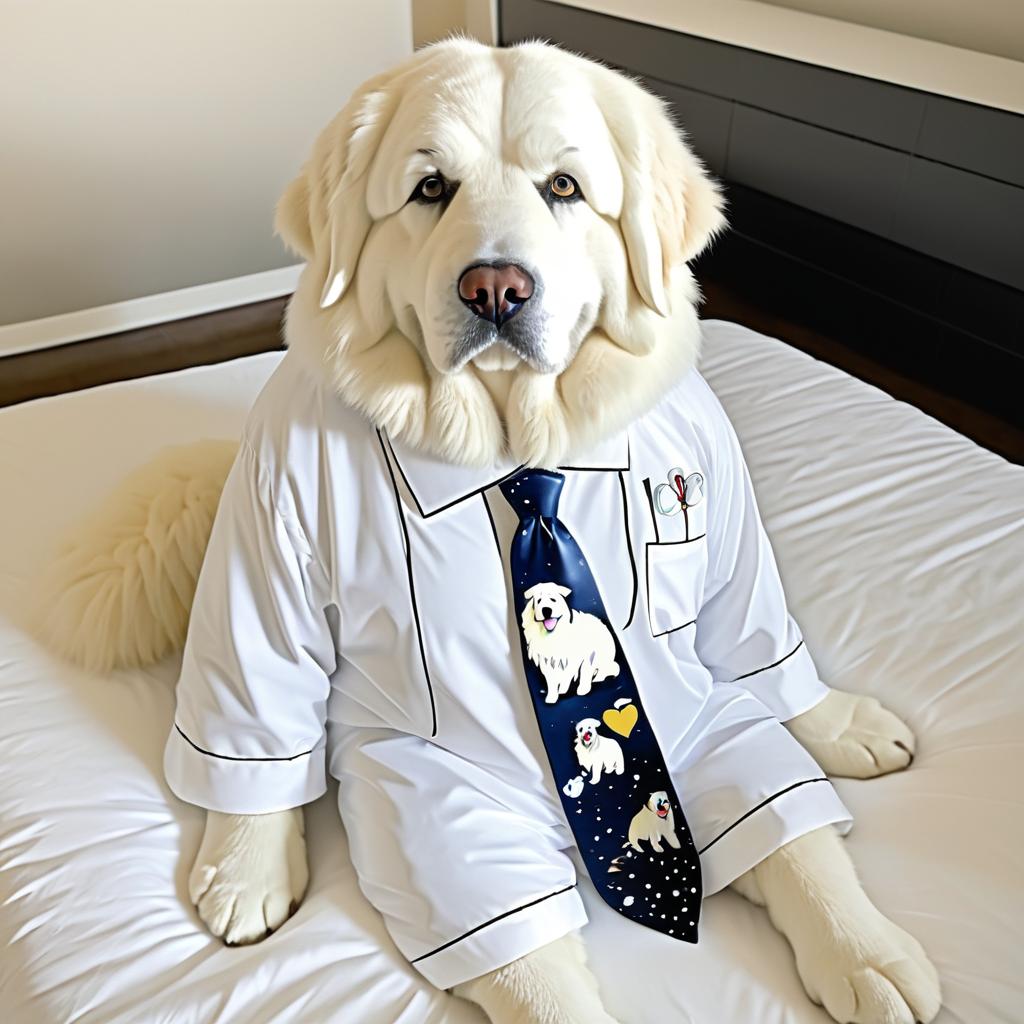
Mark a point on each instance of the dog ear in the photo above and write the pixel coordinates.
(671, 207)
(564, 591)
(323, 214)
(528, 594)
(291, 219)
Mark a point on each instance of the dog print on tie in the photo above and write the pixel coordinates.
(566, 645)
(654, 822)
(597, 753)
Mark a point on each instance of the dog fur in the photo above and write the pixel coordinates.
(620, 327)
(119, 591)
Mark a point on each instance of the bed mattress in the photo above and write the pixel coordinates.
(902, 547)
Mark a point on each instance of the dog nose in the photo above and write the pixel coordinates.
(495, 291)
(546, 612)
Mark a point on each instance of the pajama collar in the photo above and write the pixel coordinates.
(437, 485)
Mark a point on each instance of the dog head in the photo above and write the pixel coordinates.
(546, 605)
(659, 804)
(488, 222)
(586, 732)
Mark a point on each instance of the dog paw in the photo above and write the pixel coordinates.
(250, 874)
(854, 736)
(874, 973)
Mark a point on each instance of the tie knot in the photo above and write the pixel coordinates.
(533, 492)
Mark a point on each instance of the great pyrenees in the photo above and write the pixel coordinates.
(411, 303)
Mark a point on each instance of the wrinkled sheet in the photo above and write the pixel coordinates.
(902, 547)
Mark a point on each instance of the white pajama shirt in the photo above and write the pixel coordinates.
(354, 613)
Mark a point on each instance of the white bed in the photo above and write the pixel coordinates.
(902, 547)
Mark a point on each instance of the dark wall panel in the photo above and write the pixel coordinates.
(851, 180)
(972, 221)
(990, 142)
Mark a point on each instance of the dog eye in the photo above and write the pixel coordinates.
(563, 186)
(431, 189)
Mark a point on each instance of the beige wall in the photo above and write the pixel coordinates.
(143, 144)
(435, 19)
(988, 26)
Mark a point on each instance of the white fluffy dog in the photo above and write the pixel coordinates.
(566, 644)
(597, 753)
(653, 823)
(608, 228)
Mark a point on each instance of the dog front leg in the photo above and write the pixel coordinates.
(854, 736)
(250, 873)
(851, 959)
(551, 985)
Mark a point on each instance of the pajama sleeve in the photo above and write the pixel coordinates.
(248, 735)
(745, 634)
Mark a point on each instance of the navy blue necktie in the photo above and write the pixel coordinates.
(615, 788)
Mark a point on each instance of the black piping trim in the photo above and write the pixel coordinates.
(412, 584)
(494, 483)
(508, 913)
(650, 502)
(754, 810)
(629, 548)
(672, 543)
(454, 501)
(494, 528)
(774, 664)
(674, 629)
(231, 757)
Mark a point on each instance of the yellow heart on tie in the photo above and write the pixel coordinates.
(622, 721)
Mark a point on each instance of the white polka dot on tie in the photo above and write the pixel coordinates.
(608, 831)
(647, 886)
(628, 901)
(675, 892)
(693, 890)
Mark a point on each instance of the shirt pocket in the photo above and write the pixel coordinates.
(676, 571)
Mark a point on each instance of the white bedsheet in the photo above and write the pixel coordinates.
(902, 547)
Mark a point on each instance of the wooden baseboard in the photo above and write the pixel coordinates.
(193, 341)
